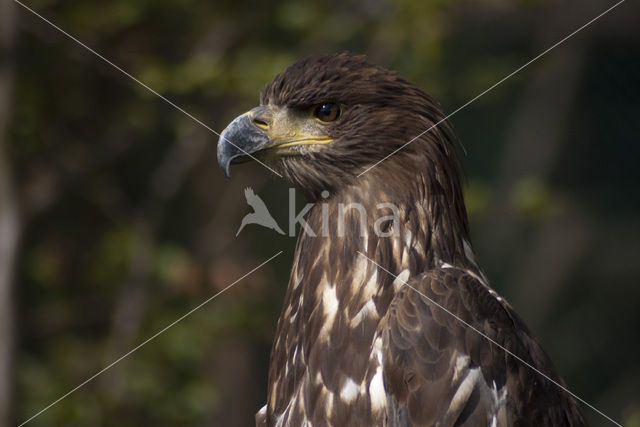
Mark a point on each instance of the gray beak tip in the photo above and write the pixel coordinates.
(238, 141)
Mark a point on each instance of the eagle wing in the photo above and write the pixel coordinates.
(442, 372)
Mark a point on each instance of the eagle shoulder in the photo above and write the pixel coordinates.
(440, 367)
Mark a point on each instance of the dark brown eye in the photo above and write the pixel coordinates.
(327, 112)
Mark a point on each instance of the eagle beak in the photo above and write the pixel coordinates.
(238, 141)
(268, 132)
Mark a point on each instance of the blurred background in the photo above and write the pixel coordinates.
(115, 219)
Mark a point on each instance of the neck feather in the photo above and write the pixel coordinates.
(403, 222)
(336, 296)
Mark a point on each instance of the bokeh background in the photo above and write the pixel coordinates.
(115, 219)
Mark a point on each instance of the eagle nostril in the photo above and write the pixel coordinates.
(260, 123)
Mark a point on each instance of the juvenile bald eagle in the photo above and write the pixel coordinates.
(385, 329)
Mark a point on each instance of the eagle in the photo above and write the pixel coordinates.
(385, 323)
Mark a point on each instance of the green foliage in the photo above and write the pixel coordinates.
(532, 198)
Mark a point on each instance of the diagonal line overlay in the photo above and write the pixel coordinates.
(151, 338)
(158, 94)
(495, 343)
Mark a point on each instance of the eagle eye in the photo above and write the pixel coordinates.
(326, 112)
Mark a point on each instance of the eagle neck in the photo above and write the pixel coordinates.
(345, 275)
(377, 215)
(413, 223)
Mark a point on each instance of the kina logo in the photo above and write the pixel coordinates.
(384, 223)
(260, 214)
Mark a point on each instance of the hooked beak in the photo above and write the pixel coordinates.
(239, 141)
(266, 131)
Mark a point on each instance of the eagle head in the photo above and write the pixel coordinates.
(326, 120)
